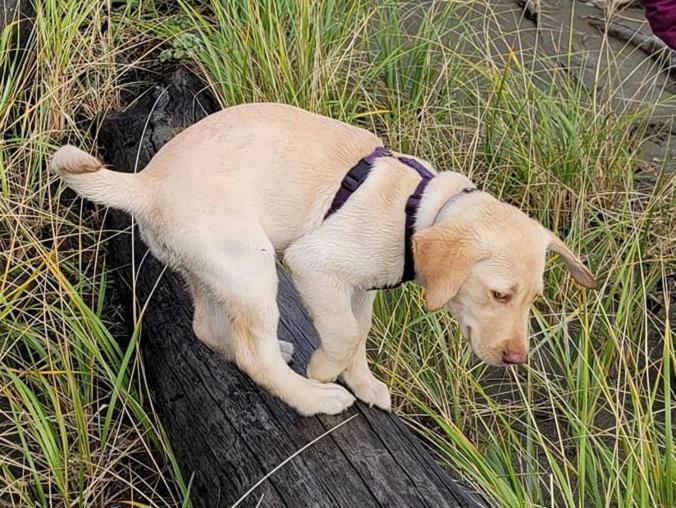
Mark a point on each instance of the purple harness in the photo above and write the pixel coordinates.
(357, 175)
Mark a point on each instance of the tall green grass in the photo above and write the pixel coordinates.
(588, 422)
(74, 424)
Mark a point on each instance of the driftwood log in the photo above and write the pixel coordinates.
(226, 432)
(648, 43)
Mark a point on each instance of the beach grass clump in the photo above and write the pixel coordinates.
(587, 422)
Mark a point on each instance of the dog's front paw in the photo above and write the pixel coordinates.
(369, 390)
(326, 398)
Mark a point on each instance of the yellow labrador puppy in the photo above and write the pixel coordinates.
(225, 197)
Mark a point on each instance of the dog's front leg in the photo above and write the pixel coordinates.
(357, 374)
(342, 316)
(330, 305)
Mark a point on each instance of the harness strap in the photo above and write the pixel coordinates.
(351, 182)
(411, 211)
(358, 174)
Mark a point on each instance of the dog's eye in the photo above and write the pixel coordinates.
(501, 297)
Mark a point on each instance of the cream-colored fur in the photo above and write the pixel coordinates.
(227, 196)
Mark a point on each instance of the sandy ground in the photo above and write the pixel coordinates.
(630, 74)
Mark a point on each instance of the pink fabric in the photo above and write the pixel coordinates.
(661, 14)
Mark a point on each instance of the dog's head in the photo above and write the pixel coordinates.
(484, 260)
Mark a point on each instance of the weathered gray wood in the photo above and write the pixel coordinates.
(226, 431)
(650, 44)
(18, 13)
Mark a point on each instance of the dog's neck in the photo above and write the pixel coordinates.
(444, 187)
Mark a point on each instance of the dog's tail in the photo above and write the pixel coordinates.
(87, 176)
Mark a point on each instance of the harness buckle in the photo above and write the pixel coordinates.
(350, 183)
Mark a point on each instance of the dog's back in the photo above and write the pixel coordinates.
(278, 163)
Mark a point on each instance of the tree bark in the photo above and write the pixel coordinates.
(226, 432)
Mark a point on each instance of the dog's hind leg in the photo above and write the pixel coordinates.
(240, 271)
(210, 321)
(212, 326)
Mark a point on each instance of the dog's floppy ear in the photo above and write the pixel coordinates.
(443, 257)
(575, 266)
